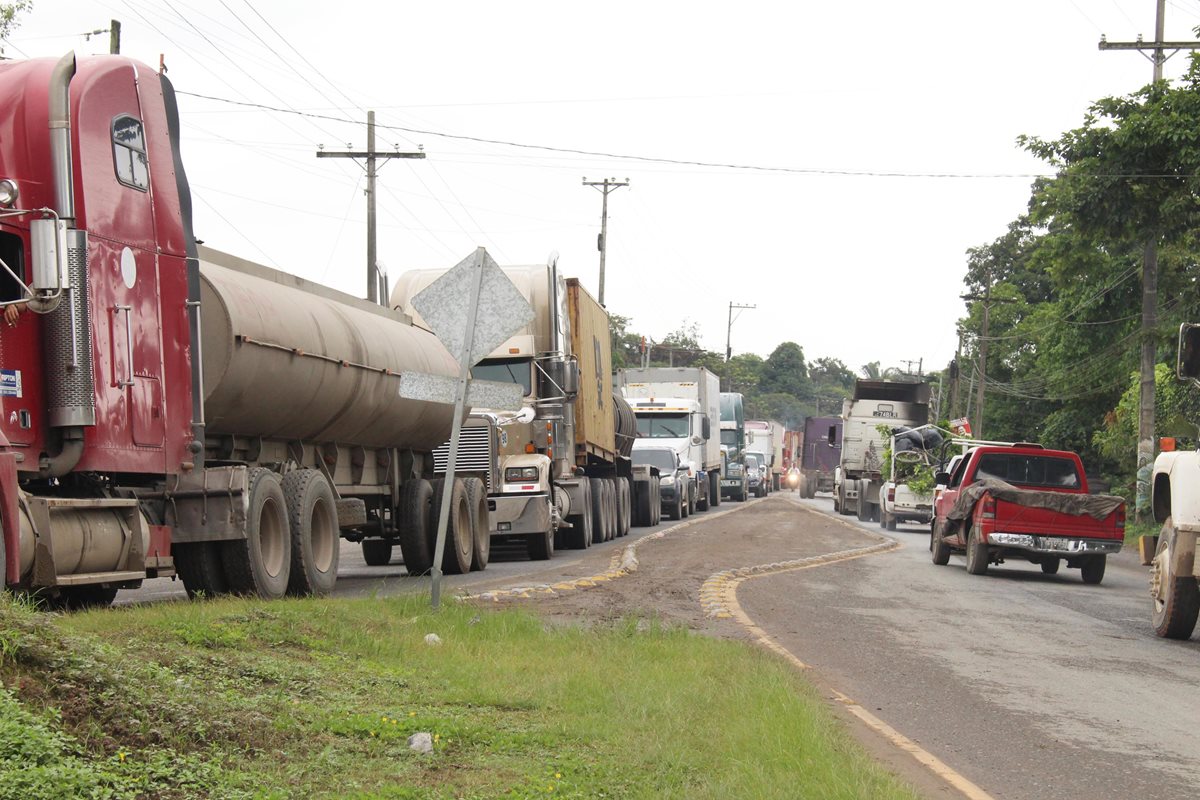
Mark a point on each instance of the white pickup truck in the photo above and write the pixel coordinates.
(899, 502)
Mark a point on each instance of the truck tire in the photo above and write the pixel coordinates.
(1050, 566)
(656, 500)
(641, 504)
(625, 503)
(938, 548)
(79, 598)
(579, 535)
(1092, 569)
(316, 538)
(610, 509)
(377, 552)
(599, 510)
(714, 489)
(811, 485)
(540, 546)
(413, 526)
(199, 567)
(481, 524)
(890, 520)
(1177, 602)
(977, 553)
(460, 544)
(260, 564)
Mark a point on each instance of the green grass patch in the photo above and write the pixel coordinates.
(1136, 530)
(305, 698)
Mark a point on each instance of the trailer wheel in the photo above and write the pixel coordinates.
(610, 491)
(481, 524)
(1050, 566)
(655, 501)
(714, 489)
(1176, 599)
(412, 526)
(315, 535)
(977, 554)
(1092, 569)
(460, 545)
(377, 552)
(625, 506)
(198, 565)
(261, 563)
(643, 514)
(599, 515)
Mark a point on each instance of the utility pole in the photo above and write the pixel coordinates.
(114, 37)
(370, 154)
(955, 373)
(1145, 445)
(987, 300)
(605, 186)
(729, 328)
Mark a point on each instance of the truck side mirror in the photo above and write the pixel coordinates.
(48, 238)
(941, 479)
(705, 428)
(1187, 366)
(570, 382)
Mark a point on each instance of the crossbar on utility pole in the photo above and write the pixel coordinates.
(370, 155)
(1145, 446)
(604, 187)
(729, 327)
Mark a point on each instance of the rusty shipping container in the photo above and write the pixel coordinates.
(591, 344)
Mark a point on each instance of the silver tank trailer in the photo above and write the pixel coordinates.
(285, 358)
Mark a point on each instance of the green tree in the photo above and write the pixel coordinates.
(626, 345)
(785, 372)
(8, 18)
(1128, 178)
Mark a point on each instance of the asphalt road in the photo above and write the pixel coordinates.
(1030, 685)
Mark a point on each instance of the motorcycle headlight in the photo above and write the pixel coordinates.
(520, 474)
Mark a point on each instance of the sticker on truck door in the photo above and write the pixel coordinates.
(10, 383)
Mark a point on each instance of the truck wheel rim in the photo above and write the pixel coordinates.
(323, 536)
(271, 533)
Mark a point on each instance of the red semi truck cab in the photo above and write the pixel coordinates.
(1024, 501)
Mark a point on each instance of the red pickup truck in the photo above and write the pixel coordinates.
(1024, 501)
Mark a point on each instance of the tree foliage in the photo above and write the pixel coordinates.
(8, 18)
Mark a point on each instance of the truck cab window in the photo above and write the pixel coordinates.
(13, 254)
(129, 153)
(506, 370)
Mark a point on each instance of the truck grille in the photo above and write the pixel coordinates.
(474, 454)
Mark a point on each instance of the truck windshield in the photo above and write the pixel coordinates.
(729, 437)
(663, 426)
(506, 370)
(1028, 470)
(655, 458)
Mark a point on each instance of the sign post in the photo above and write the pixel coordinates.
(472, 309)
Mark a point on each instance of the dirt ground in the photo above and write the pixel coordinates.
(671, 570)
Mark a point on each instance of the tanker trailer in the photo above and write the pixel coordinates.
(161, 415)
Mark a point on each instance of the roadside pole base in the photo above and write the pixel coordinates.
(1147, 546)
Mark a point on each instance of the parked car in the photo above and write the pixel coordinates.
(1024, 501)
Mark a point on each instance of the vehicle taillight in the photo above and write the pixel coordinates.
(892, 494)
(989, 508)
(1121, 518)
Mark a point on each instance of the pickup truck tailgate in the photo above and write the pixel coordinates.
(1013, 518)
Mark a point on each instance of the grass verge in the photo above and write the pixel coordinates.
(237, 698)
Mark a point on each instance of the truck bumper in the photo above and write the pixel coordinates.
(1054, 545)
(668, 493)
(520, 514)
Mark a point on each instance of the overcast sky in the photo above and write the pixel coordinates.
(889, 129)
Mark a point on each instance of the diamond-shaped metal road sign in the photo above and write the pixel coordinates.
(480, 394)
(445, 306)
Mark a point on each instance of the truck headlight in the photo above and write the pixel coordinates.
(8, 193)
(520, 474)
